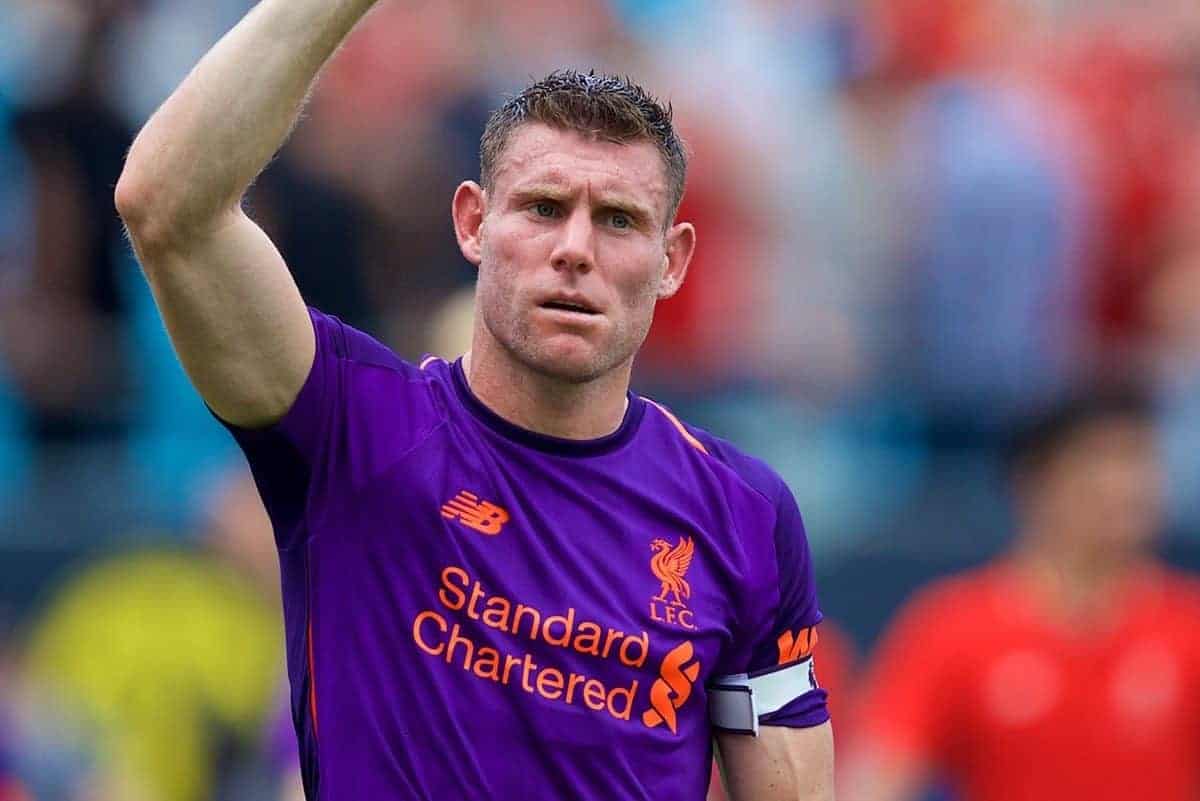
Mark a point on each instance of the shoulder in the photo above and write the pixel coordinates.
(340, 341)
(1173, 610)
(721, 455)
(369, 364)
(941, 630)
(1178, 590)
(961, 599)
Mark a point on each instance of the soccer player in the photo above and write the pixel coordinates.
(1070, 668)
(505, 577)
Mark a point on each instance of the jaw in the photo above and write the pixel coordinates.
(564, 346)
(565, 356)
(562, 355)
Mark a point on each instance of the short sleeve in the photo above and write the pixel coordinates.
(358, 400)
(301, 429)
(790, 634)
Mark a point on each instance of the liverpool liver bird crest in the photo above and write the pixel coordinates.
(669, 564)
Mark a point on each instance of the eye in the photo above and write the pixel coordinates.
(545, 209)
(620, 220)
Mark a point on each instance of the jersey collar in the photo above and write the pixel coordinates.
(545, 442)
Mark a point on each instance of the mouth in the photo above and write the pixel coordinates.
(571, 306)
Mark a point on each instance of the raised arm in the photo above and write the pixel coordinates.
(230, 305)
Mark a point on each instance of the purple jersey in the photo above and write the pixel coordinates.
(474, 610)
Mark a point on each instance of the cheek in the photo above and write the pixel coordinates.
(499, 264)
(510, 257)
(495, 297)
(512, 245)
(502, 250)
(639, 290)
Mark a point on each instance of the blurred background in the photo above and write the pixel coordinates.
(920, 221)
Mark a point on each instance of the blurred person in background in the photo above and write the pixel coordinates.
(1068, 669)
(43, 754)
(1125, 72)
(169, 659)
(12, 788)
(952, 196)
(1170, 311)
(60, 316)
(573, 229)
(15, 246)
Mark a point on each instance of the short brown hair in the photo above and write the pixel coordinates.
(1035, 443)
(604, 106)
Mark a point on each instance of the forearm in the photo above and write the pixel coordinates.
(199, 152)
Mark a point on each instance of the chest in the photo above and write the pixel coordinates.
(1126, 696)
(594, 565)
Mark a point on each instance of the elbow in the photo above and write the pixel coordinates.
(130, 197)
(135, 202)
(157, 218)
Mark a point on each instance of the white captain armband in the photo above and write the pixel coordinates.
(735, 703)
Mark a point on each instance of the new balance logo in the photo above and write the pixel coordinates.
(484, 517)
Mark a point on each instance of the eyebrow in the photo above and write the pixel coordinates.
(553, 190)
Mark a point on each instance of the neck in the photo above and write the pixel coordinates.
(545, 404)
(1075, 584)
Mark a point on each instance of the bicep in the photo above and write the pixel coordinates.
(236, 319)
(781, 763)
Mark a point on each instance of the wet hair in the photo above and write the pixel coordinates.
(1035, 444)
(607, 107)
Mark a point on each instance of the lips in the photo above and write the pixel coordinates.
(569, 304)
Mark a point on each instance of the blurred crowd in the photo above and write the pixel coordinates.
(921, 222)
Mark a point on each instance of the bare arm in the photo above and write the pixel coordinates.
(230, 305)
(781, 764)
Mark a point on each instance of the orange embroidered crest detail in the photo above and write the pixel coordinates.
(673, 687)
(670, 564)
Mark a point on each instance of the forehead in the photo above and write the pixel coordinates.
(539, 154)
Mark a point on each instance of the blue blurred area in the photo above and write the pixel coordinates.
(174, 444)
(15, 221)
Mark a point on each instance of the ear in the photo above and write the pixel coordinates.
(680, 245)
(468, 210)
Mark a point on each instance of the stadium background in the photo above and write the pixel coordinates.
(919, 221)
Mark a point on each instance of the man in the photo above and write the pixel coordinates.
(506, 577)
(1068, 669)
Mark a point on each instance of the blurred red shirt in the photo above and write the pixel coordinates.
(976, 683)
(1134, 104)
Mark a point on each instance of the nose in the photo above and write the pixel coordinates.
(574, 249)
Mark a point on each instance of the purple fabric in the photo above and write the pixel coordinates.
(499, 614)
